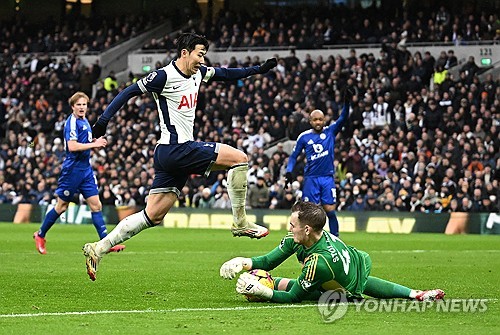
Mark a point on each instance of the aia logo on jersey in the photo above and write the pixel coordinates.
(188, 101)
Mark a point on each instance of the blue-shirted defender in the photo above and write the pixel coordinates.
(76, 173)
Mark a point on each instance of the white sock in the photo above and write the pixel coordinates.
(413, 294)
(128, 227)
(237, 191)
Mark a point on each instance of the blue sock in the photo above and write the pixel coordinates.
(48, 222)
(99, 224)
(333, 223)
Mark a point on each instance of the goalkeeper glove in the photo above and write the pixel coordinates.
(229, 269)
(268, 65)
(248, 284)
(99, 128)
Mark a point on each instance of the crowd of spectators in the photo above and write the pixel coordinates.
(76, 34)
(413, 141)
(316, 27)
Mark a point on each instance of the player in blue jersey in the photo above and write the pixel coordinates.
(177, 155)
(76, 173)
(318, 144)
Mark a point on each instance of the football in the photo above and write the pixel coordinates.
(263, 277)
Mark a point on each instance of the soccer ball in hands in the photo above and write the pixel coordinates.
(264, 278)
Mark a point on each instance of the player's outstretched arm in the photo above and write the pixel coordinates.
(231, 268)
(348, 93)
(238, 73)
(268, 65)
(99, 128)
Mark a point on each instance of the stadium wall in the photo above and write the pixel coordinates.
(139, 61)
(371, 222)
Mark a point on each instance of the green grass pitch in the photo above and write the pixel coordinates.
(167, 282)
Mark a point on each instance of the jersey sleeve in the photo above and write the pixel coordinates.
(122, 97)
(228, 74)
(297, 149)
(276, 256)
(339, 123)
(207, 72)
(71, 131)
(154, 82)
(314, 273)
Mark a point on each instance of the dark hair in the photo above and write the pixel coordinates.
(189, 41)
(310, 214)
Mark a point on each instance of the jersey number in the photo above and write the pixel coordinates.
(334, 193)
(344, 256)
(346, 259)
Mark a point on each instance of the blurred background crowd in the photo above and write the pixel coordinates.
(418, 138)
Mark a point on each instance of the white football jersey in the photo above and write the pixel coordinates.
(176, 96)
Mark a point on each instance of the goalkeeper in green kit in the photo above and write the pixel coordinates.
(328, 264)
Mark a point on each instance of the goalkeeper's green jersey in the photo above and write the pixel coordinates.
(327, 265)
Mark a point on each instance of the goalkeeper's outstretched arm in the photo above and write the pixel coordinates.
(267, 262)
(306, 287)
(232, 267)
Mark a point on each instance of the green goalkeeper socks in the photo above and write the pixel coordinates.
(379, 288)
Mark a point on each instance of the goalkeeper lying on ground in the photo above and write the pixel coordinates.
(328, 264)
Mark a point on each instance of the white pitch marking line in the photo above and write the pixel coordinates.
(174, 310)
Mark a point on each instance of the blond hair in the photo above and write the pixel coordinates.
(74, 98)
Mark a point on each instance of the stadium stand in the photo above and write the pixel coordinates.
(438, 151)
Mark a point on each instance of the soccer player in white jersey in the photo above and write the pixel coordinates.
(175, 90)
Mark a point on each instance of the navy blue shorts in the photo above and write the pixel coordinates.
(174, 163)
(76, 181)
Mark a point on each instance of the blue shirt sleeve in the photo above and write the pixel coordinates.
(339, 123)
(227, 74)
(71, 130)
(117, 103)
(153, 82)
(297, 149)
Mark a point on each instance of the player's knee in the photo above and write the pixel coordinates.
(95, 207)
(61, 207)
(241, 158)
(329, 208)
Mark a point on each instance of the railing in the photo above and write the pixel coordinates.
(339, 46)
